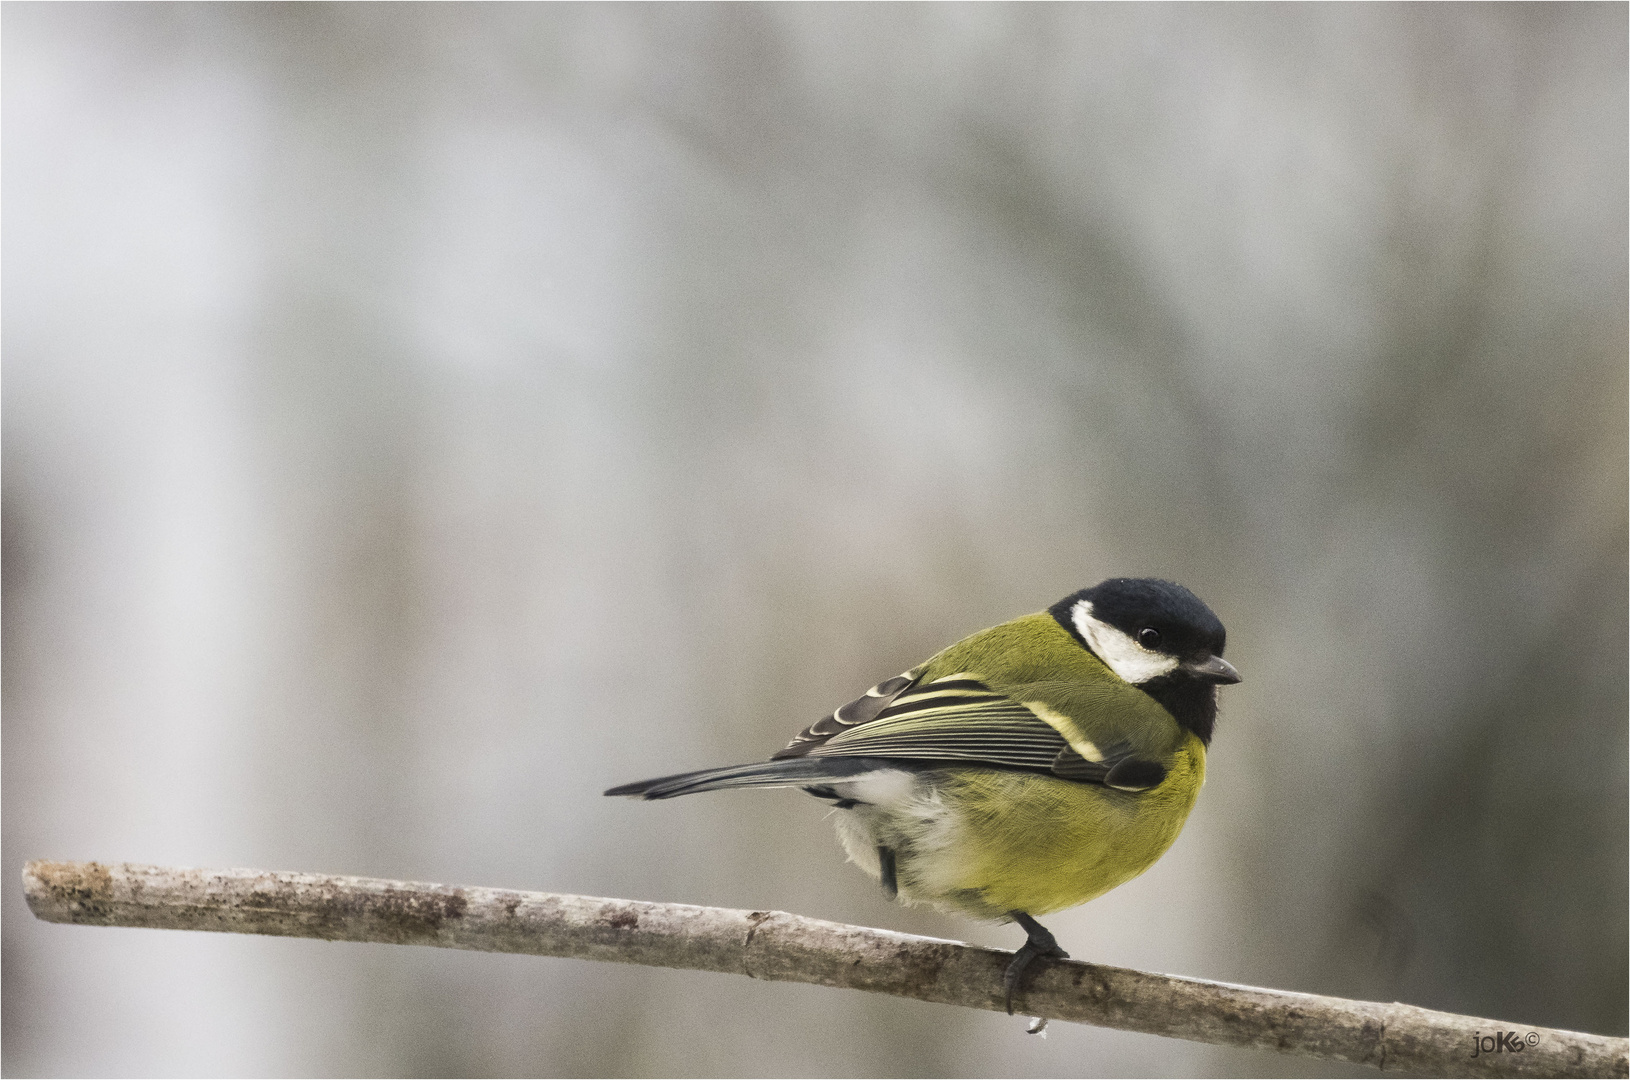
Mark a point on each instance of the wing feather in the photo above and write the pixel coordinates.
(863, 710)
(959, 718)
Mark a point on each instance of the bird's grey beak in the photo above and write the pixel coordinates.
(1213, 669)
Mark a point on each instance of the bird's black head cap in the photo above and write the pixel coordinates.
(1162, 628)
(1187, 627)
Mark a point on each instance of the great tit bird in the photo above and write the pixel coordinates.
(1026, 769)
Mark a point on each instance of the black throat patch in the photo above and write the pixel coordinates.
(1192, 702)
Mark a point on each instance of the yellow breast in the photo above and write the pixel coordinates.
(1037, 844)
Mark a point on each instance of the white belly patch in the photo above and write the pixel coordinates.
(899, 810)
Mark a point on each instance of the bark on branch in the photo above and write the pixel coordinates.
(778, 946)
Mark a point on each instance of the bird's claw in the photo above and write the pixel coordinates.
(1039, 943)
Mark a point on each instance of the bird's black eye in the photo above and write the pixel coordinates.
(1149, 637)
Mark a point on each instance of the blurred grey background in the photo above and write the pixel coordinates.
(419, 418)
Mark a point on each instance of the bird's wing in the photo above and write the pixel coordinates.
(959, 718)
(863, 710)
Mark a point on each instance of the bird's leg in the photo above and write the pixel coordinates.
(887, 874)
(1040, 943)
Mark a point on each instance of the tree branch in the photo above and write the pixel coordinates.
(778, 946)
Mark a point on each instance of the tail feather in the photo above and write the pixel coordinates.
(788, 772)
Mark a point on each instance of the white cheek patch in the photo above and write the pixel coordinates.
(1116, 648)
